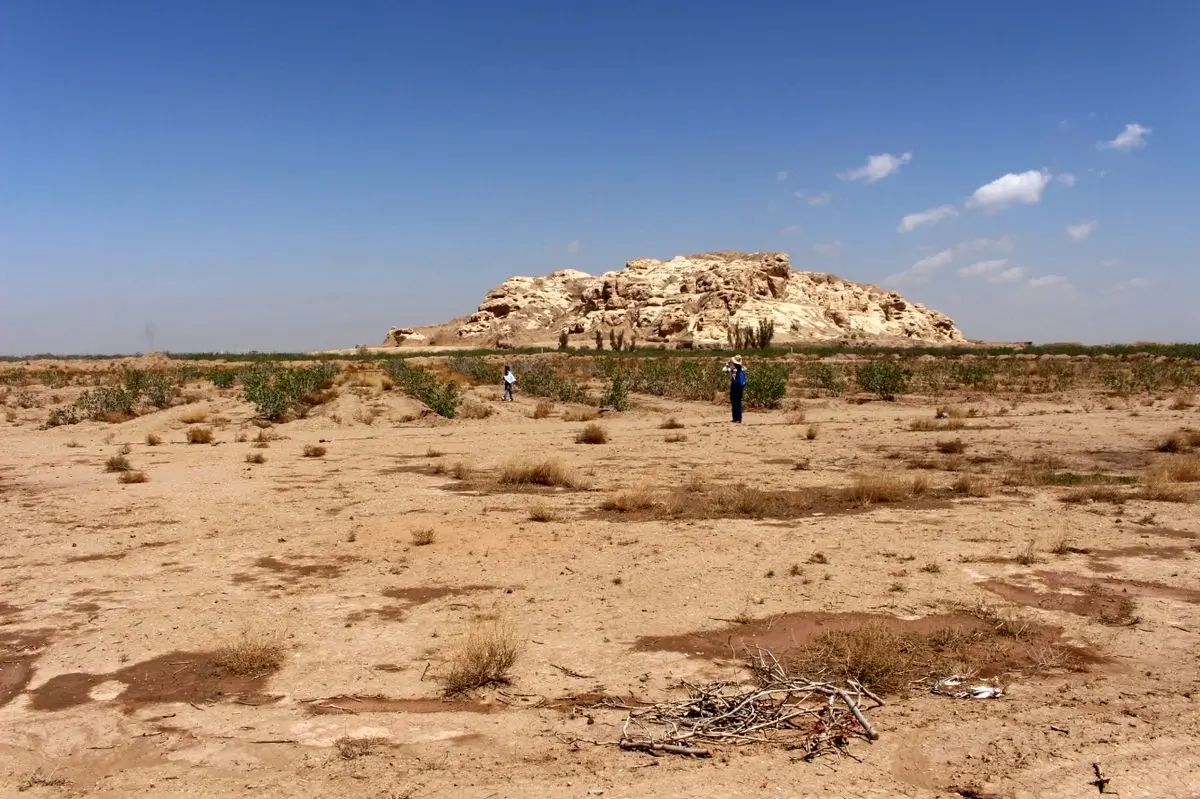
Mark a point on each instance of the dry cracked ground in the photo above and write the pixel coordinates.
(359, 573)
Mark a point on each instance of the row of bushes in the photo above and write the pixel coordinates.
(277, 392)
(442, 397)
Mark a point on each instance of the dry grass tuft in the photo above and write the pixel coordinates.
(970, 485)
(631, 500)
(1158, 487)
(314, 451)
(671, 423)
(199, 435)
(543, 409)
(193, 415)
(812, 432)
(950, 412)
(954, 446)
(580, 414)
(1183, 402)
(132, 476)
(39, 780)
(797, 416)
(256, 457)
(927, 425)
(541, 512)
(433, 453)
(152, 440)
(354, 748)
(252, 654)
(1095, 493)
(485, 657)
(117, 463)
(423, 536)
(675, 438)
(549, 473)
(470, 409)
(1028, 556)
(1180, 441)
(263, 439)
(1184, 469)
(881, 488)
(932, 568)
(592, 434)
(818, 558)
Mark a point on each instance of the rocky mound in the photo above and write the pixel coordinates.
(697, 298)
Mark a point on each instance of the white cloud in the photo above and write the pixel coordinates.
(1049, 281)
(1079, 232)
(822, 198)
(995, 271)
(573, 247)
(1066, 178)
(877, 167)
(930, 217)
(781, 175)
(923, 269)
(1132, 138)
(1025, 187)
(829, 249)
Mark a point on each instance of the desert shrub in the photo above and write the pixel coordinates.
(543, 409)
(64, 415)
(592, 434)
(314, 451)
(424, 536)
(539, 379)
(616, 395)
(812, 432)
(564, 340)
(159, 390)
(825, 376)
(152, 440)
(953, 446)
(193, 415)
(132, 476)
(485, 657)
(470, 409)
(252, 654)
(222, 378)
(975, 374)
(256, 457)
(442, 397)
(545, 473)
(199, 435)
(630, 500)
(276, 392)
(766, 385)
(477, 370)
(881, 488)
(670, 423)
(885, 379)
(117, 463)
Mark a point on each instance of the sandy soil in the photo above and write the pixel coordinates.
(115, 595)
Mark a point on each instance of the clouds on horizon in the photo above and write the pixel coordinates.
(877, 167)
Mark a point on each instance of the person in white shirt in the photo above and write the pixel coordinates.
(509, 381)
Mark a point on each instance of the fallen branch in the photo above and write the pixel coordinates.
(572, 672)
(671, 749)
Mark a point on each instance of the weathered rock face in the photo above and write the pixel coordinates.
(699, 298)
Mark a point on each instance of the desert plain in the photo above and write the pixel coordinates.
(198, 601)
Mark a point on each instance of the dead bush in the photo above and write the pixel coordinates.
(256, 457)
(314, 451)
(132, 476)
(354, 748)
(1183, 402)
(423, 536)
(1183, 469)
(1095, 493)
(671, 423)
(812, 432)
(541, 512)
(193, 415)
(954, 446)
(795, 417)
(117, 463)
(970, 485)
(433, 453)
(484, 657)
(881, 488)
(252, 654)
(675, 438)
(470, 409)
(152, 440)
(1028, 555)
(199, 435)
(592, 434)
(1181, 441)
(38, 779)
(1157, 487)
(630, 500)
(543, 409)
(949, 412)
(549, 473)
(580, 414)
(928, 425)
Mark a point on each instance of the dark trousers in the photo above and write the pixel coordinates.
(508, 392)
(735, 401)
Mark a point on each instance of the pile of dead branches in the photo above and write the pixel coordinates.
(806, 715)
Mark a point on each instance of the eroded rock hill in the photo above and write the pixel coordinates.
(698, 298)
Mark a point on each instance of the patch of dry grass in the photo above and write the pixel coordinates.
(470, 409)
(199, 435)
(971, 485)
(1158, 487)
(117, 463)
(543, 409)
(580, 414)
(797, 416)
(1182, 402)
(1028, 554)
(354, 748)
(38, 779)
(132, 476)
(423, 536)
(314, 451)
(252, 654)
(1183, 469)
(256, 457)
(1095, 493)
(152, 440)
(928, 425)
(951, 446)
(1181, 441)
(675, 438)
(639, 498)
(671, 423)
(870, 489)
(433, 453)
(950, 412)
(485, 657)
(263, 439)
(193, 415)
(592, 434)
(812, 432)
(550, 473)
(541, 512)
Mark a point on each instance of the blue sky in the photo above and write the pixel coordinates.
(292, 175)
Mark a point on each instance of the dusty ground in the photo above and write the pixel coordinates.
(114, 594)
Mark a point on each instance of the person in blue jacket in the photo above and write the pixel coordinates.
(737, 385)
